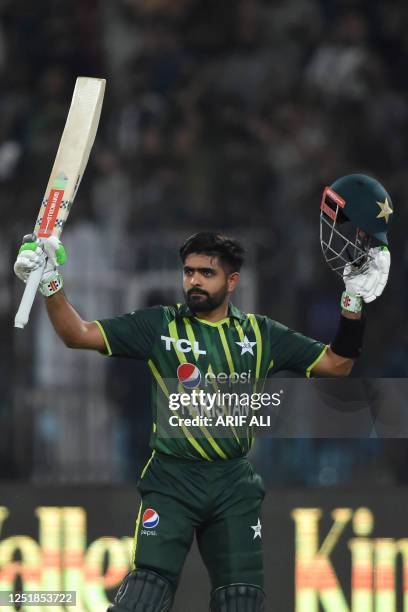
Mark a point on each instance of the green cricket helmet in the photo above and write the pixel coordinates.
(355, 214)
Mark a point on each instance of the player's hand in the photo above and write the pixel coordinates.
(370, 284)
(36, 252)
(30, 257)
(55, 252)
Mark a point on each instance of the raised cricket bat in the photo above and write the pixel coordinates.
(69, 166)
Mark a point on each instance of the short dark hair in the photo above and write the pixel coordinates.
(229, 251)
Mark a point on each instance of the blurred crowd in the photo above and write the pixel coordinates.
(229, 114)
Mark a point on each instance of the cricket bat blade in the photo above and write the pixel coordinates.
(66, 174)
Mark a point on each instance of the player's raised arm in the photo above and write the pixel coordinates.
(66, 174)
(70, 327)
(354, 222)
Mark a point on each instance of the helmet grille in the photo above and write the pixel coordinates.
(346, 251)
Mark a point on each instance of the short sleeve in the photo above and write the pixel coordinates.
(294, 351)
(133, 334)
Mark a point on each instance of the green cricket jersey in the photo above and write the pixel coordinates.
(184, 352)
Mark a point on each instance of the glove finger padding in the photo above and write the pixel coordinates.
(27, 261)
(381, 267)
(371, 283)
(54, 250)
(384, 263)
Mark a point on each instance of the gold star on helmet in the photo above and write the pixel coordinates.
(386, 210)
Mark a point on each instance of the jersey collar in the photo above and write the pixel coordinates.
(184, 311)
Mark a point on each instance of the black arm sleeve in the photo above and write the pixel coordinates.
(349, 337)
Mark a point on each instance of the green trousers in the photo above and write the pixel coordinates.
(219, 502)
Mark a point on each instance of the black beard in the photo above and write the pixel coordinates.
(207, 303)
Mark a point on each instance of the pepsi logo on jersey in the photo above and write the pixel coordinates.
(189, 375)
(227, 379)
(150, 520)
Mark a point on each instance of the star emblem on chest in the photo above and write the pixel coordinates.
(246, 346)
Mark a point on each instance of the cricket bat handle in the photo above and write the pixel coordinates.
(23, 312)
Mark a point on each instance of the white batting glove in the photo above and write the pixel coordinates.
(33, 253)
(368, 285)
(30, 257)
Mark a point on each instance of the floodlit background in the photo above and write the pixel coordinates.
(228, 115)
(218, 114)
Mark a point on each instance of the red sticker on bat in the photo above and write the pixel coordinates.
(51, 213)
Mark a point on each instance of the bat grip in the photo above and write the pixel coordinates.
(27, 300)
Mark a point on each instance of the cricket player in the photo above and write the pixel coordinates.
(204, 484)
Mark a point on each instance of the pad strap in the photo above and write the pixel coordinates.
(349, 338)
(143, 590)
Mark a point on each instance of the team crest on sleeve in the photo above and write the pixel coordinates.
(150, 518)
(189, 375)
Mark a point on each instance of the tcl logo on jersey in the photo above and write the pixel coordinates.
(227, 379)
(183, 345)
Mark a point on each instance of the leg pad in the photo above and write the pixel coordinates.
(238, 598)
(143, 591)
